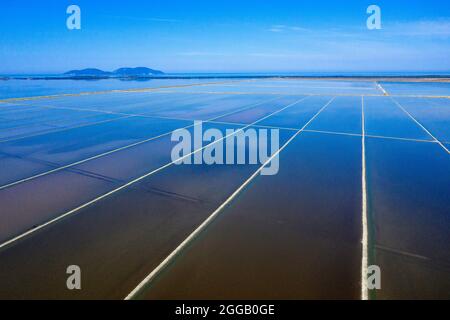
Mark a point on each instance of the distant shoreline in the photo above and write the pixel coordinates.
(393, 78)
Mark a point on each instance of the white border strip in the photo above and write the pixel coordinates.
(382, 89)
(365, 237)
(205, 223)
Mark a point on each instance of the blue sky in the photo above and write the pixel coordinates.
(225, 36)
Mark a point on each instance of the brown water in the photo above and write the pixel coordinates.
(408, 195)
(295, 235)
(118, 240)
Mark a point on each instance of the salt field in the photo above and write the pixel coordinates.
(87, 178)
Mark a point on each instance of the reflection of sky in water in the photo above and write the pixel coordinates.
(343, 114)
(28, 88)
(408, 187)
(432, 114)
(433, 89)
(384, 118)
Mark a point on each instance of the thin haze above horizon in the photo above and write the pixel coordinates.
(225, 36)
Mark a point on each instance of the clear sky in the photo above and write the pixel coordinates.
(225, 36)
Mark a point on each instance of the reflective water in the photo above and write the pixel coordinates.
(297, 115)
(293, 235)
(384, 118)
(125, 235)
(69, 146)
(408, 188)
(281, 239)
(342, 115)
(432, 115)
(419, 88)
(28, 88)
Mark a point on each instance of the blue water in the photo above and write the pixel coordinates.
(417, 88)
(18, 86)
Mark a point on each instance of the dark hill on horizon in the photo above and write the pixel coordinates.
(88, 72)
(139, 71)
(121, 72)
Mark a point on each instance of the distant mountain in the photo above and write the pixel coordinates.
(121, 72)
(90, 72)
(139, 71)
